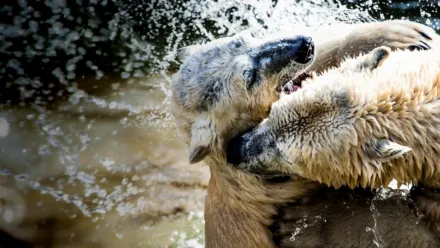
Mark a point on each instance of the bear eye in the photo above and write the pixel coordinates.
(250, 76)
(236, 43)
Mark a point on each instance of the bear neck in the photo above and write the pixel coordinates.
(240, 207)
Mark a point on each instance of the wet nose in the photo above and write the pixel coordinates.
(276, 55)
(306, 51)
(235, 154)
(250, 145)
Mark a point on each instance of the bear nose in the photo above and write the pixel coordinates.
(276, 55)
(306, 51)
(250, 145)
(234, 151)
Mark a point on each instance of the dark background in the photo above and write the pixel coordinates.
(46, 47)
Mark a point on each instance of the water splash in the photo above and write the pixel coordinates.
(4, 127)
(378, 242)
(306, 223)
(112, 61)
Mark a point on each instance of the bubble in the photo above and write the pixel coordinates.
(22, 177)
(8, 216)
(12, 206)
(44, 150)
(4, 127)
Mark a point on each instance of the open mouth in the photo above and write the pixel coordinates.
(295, 84)
(305, 55)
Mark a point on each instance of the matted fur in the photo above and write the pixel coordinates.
(240, 206)
(399, 101)
(362, 127)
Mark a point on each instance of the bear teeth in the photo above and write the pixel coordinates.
(295, 84)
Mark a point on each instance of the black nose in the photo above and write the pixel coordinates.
(248, 146)
(306, 51)
(234, 151)
(276, 55)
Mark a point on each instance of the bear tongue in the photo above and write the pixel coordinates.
(289, 88)
(295, 84)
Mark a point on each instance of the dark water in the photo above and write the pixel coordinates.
(88, 152)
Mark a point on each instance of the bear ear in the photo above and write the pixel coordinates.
(373, 59)
(202, 136)
(187, 51)
(182, 54)
(386, 150)
(197, 154)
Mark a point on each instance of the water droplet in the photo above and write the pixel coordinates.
(22, 177)
(43, 150)
(119, 236)
(8, 216)
(4, 127)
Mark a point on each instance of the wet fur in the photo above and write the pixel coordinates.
(356, 116)
(353, 218)
(239, 206)
(374, 119)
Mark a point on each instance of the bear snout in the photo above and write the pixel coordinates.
(244, 148)
(276, 55)
(234, 151)
(306, 51)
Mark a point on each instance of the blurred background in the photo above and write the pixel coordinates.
(88, 154)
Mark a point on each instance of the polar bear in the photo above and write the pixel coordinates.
(227, 86)
(373, 119)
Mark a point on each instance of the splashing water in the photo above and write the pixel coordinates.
(377, 238)
(85, 135)
(305, 223)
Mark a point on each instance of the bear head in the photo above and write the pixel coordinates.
(228, 85)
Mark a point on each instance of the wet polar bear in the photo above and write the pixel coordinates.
(375, 118)
(227, 86)
(352, 125)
